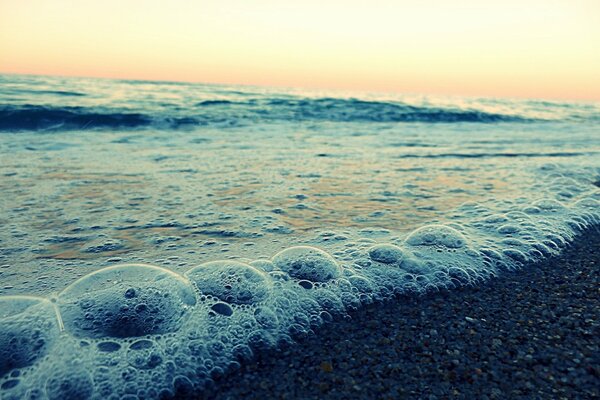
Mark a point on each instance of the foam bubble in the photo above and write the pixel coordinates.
(28, 329)
(231, 281)
(508, 229)
(414, 265)
(387, 254)
(222, 308)
(125, 301)
(108, 347)
(305, 262)
(437, 235)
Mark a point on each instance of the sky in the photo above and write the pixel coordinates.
(508, 48)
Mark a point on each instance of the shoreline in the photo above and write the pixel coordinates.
(531, 333)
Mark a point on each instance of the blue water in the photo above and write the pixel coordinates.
(41, 103)
(154, 235)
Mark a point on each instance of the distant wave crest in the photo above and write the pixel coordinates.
(230, 113)
(34, 117)
(351, 110)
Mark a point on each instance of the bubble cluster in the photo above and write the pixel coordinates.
(141, 331)
(144, 354)
(69, 384)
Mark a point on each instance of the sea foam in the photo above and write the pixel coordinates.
(141, 331)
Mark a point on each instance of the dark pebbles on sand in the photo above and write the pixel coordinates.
(533, 333)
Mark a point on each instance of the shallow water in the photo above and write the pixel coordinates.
(400, 194)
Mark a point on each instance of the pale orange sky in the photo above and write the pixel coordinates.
(515, 48)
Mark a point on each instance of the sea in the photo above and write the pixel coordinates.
(156, 235)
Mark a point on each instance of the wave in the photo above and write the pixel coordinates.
(35, 117)
(235, 113)
(48, 92)
(215, 103)
(355, 110)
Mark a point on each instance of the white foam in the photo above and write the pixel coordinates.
(146, 331)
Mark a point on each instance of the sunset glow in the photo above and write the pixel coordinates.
(515, 48)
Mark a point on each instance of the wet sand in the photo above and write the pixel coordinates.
(533, 333)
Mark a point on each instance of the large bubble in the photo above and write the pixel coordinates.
(231, 281)
(386, 253)
(437, 235)
(304, 262)
(125, 301)
(28, 328)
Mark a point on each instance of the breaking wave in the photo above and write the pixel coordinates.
(219, 112)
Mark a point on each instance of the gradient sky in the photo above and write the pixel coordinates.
(515, 48)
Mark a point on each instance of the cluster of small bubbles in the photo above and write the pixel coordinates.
(144, 354)
(140, 331)
(69, 383)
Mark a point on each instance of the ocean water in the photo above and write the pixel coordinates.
(154, 235)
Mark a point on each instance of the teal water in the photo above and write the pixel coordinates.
(253, 215)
